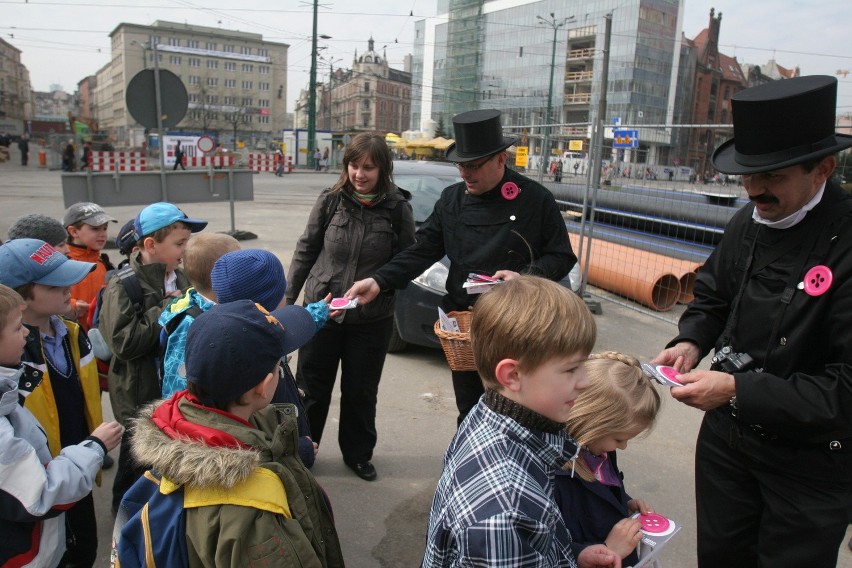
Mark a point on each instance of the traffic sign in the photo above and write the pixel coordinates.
(521, 155)
(625, 139)
(575, 145)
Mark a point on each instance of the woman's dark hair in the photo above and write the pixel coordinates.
(375, 147)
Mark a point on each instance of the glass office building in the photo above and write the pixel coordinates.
(498, 54)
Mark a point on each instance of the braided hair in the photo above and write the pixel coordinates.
(620, 398)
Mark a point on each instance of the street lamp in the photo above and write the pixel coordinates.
(331, 63)
(555, 24)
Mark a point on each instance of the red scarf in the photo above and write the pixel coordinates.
(171, 421)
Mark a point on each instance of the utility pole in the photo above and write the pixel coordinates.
(595, 159)
(312, 95)
(545, 147)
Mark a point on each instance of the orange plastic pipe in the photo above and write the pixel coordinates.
(654, 280)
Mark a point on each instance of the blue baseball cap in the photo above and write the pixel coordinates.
(231, 347)
(159, 215)
(30, 260)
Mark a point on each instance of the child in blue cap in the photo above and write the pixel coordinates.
(131, 331)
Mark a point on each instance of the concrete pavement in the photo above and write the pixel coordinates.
(383, 523)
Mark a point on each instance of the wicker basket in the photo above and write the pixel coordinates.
(457, 344)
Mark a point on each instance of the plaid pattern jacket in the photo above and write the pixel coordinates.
(494, 504)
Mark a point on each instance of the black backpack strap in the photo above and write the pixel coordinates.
(133, 287)
(172, 324)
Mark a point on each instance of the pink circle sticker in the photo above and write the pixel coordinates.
(339, 303)
(653, 523)
(510, 190)
(670, 373)
(818, 280)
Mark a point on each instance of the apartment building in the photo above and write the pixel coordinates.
(236, 82)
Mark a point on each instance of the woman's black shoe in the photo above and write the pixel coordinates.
(364, 470)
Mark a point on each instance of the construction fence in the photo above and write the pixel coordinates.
(651, 223)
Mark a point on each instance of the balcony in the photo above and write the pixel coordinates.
(574, 76)
(577, 98)
(587, 53)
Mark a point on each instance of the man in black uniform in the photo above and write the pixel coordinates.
(773, 461)
(496, 222)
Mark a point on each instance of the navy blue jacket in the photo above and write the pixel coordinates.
(590, 509)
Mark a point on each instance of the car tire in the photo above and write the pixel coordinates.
(396, 343)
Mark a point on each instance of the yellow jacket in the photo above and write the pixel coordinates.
(35, 383)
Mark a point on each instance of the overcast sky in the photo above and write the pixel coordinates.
(64, 41)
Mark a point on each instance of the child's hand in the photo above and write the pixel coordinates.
(327, 301)
(624, 537)
(82, 308)
(109, 433)
(639, 506)
(598, 556)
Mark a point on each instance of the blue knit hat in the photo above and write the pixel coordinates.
(249, 274)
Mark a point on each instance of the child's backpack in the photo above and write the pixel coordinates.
(165, 332)
(100, 349)
(150, 525)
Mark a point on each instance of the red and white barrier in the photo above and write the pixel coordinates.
(262, 162)
(118, 161)
(225, 161)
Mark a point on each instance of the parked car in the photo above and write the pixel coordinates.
(417, 305)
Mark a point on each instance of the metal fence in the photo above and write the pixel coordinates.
(642, 234)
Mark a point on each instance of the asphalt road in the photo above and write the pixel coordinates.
(383, 523)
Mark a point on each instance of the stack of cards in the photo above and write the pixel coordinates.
(479, 283)
(663, 374)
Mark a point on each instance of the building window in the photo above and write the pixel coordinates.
(248, 85)
(174, 41)
(228, 48)
(213, 99)
(263, 86)
(210, 46)
(263, 119)
(247, 118)
(366, 87)
(264, 69)
(195, 62)
(194, 80)
(245, 50)
(230, 83)
(263, 52)
(174, 59)
(193, 43)
(154, 40)
(263, 102)
(248, 68)
(366, 104)
(212, 64)
(212, 81)
(213, 115)
(193, 97)
(230, 66)
(247, 101)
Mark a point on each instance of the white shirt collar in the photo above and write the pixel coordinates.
(793, 219)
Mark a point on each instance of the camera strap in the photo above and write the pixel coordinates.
(735, 305)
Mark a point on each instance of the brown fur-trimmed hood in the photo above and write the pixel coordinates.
(192, 461)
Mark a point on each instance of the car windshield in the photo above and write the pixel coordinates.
(425, 190)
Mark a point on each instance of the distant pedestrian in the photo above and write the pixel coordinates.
(557, 170)
(69, 160)
(576, 167)
(178, 157)
(325, 159)
(24, 147)
(279, 162)
(87, 156)
(318, 159)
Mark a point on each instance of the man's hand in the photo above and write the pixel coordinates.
(683, 356)
(598, 556)
(624, 536)
(109, 433)
(365, 290)
(705, 390)
(505, 274)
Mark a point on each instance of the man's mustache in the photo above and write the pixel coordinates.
(764, 198)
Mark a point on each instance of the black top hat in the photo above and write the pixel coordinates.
(478, 134)
(781, 124)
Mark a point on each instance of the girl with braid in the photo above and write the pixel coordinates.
(620, 403)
